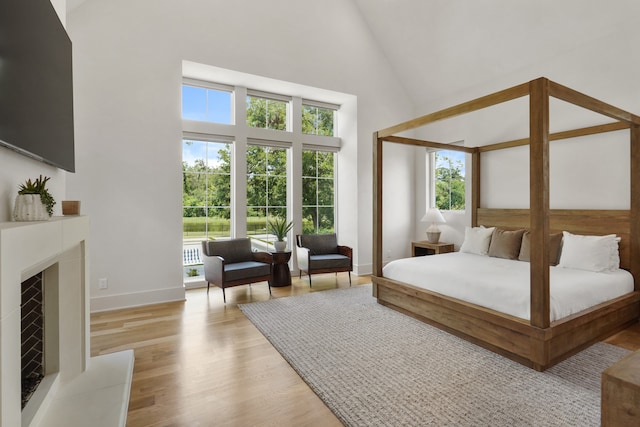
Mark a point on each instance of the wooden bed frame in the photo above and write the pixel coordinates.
(537, 343)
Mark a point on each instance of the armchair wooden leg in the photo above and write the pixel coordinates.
(349, 277)
(269, 284)
(208, 288)
(224, 296)
(309, 273)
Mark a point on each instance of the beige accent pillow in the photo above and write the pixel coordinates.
(555, 242)
(477, 240)
(506, 244)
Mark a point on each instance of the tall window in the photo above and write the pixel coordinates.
(212, 207)
(266, 189)
(318, 120)
(206, 105)
(266, 113)
(449, 177)
(206, 194)
(318, 201)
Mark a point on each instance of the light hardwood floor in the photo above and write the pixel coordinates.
(202, 363)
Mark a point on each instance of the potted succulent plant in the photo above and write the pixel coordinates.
(34, 202)
(280, 227)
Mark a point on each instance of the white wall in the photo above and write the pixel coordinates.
(127, 69)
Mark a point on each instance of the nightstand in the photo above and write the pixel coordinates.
(423, 248)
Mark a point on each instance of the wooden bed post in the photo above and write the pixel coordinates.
(475, 187)
(539, 200)
(377, 208)
(634, 221)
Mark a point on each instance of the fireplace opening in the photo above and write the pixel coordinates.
(32, 342)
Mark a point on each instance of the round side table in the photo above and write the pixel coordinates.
(280, 275)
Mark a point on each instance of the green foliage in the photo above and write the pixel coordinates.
(280, 227)
(449, 183)
(39, 186)
(192, 272)
(200, 227)
(317, 121)
(318, 220)
(266, 113)
(206, 184)
(266, 177)
(317, 192)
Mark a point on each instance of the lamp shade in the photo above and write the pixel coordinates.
(433, 215)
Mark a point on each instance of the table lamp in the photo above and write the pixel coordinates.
(433, 216)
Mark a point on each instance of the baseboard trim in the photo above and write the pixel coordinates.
(136, 299)
(363, 269)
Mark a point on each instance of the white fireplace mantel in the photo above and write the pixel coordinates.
(77, 389)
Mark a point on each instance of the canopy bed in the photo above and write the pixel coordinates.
(537, 339)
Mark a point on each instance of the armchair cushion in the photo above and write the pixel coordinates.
(236, 250)
(246, 270)
(319, 244)
(329, 261)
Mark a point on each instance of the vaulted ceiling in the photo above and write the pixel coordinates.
(440, 48)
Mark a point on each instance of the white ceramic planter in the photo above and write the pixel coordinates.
(280, 246)
(29, 207)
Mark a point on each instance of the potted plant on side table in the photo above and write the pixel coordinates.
(34, 202)
(280, 227)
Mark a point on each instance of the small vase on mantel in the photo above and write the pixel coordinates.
(29, 207)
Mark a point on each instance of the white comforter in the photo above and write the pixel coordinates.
(503, 285)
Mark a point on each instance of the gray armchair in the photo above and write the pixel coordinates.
(320, 253)
(230, 263)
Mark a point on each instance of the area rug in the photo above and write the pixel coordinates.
(373, 366)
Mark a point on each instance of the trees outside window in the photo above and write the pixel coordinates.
(266, 188)
(206, 189)
(317, 120)
(449, 180)
(266, 113)
(318, 202)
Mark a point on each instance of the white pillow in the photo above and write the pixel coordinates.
(592, 253)
(477, 240)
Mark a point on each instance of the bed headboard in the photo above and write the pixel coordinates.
(576, 221)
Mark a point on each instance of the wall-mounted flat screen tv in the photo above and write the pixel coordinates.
(36, 83)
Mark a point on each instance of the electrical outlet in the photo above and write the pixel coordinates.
(103, 283)
(388, 256)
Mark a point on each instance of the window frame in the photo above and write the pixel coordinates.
(241, 136)
(207, 175)
(432, 180)
(268, 207)
(317, 179)
(212, 86)
(326, 106)
(268, 96)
